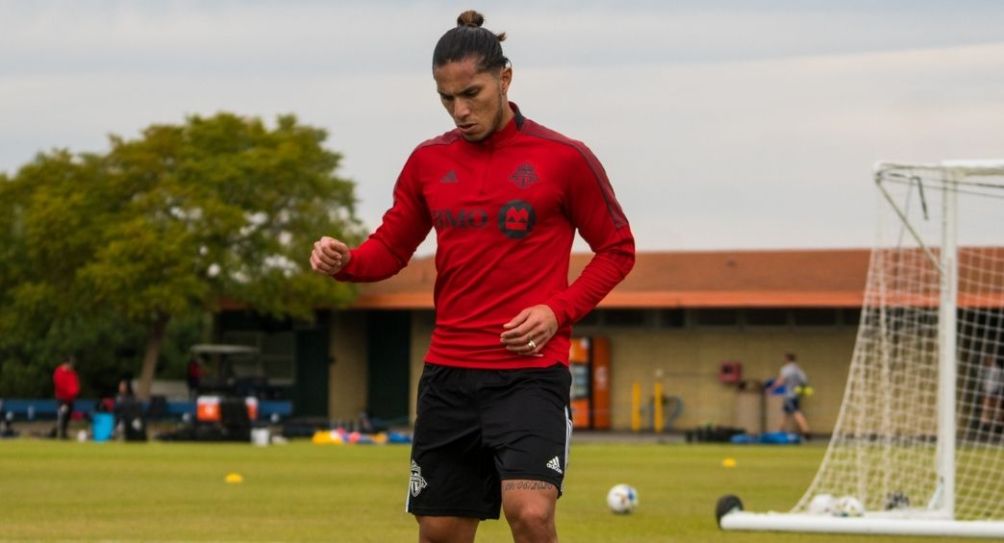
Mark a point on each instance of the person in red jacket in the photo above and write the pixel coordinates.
(67, 387)
(505, 196)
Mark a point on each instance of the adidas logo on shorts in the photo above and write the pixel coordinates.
(555, 464)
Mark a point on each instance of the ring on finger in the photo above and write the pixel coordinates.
(531, 344)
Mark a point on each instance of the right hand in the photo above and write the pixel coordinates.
(329, 256)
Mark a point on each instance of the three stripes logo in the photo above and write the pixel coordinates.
(555, 464)
(449, 178)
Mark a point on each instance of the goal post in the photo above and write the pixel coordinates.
(918, 446)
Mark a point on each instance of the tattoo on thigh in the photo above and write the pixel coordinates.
(526, 485)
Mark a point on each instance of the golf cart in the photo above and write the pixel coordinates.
(230, 370)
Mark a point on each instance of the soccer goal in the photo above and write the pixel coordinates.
(917, 448)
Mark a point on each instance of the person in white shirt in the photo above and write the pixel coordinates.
(992, 384)
(793, 380)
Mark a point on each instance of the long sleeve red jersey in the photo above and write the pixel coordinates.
(505, 212)
(66, 383)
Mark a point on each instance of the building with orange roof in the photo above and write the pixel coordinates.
(709, 327)
(677, 319)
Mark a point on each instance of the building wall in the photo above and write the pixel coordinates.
(347, 376)
(687, 362)
(422, 323)
(687, 358)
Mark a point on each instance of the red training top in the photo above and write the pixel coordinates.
(66, 383)
(505, 211)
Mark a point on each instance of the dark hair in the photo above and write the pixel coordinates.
(469, 39)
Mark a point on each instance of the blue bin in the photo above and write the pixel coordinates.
(102, 426)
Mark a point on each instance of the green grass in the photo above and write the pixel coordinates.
(303, 492)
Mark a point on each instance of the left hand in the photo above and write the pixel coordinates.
(530, 330)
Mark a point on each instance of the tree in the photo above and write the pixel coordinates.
(174, 222)
(44, 240)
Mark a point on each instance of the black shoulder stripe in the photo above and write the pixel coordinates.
(613, 206)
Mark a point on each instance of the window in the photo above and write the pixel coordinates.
(766, 317)
(592, 319)
(814, 317)
(851, 316)
(716, 317)
(278, 353)
(624, 317)
(672, 318)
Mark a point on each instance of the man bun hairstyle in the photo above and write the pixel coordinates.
(471, 18)
(470, 39)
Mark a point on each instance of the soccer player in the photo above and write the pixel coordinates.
(792, 379)
(505, 196)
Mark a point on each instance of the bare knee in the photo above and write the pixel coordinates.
(529, 509)
(530, 515)
(446, 529)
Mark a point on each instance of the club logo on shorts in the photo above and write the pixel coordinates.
(417, 481)
(524, 176)
(516, 219)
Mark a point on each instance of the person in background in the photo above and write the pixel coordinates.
(992, 384)
(791, 380)
(127, 409)
(193, 374)
(125, 393)
(66, 384)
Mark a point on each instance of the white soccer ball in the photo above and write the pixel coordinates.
(622, 499)
(822, 504)
(848, 506)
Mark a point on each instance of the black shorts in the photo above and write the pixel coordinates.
(791, 405)
(476, 428)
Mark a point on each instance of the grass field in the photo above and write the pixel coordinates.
(302, 492)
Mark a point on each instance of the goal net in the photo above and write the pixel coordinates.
(919, 436)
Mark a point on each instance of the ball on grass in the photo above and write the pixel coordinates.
(848, 506)
(622, 499)
(822, 504)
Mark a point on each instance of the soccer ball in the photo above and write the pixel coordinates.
(822, 504)
(622, 499)
(897, 500)
(848, 506)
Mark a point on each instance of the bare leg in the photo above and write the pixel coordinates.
(987, 413)
(529, 507)
(803, 425)
(446, 529)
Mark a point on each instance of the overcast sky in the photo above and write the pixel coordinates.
(722, 125)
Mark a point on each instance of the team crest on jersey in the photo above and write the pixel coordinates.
(417, 481)
(524, 176)
(516, 219)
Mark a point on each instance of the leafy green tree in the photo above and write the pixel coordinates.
(175, 222)
(44, 315)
